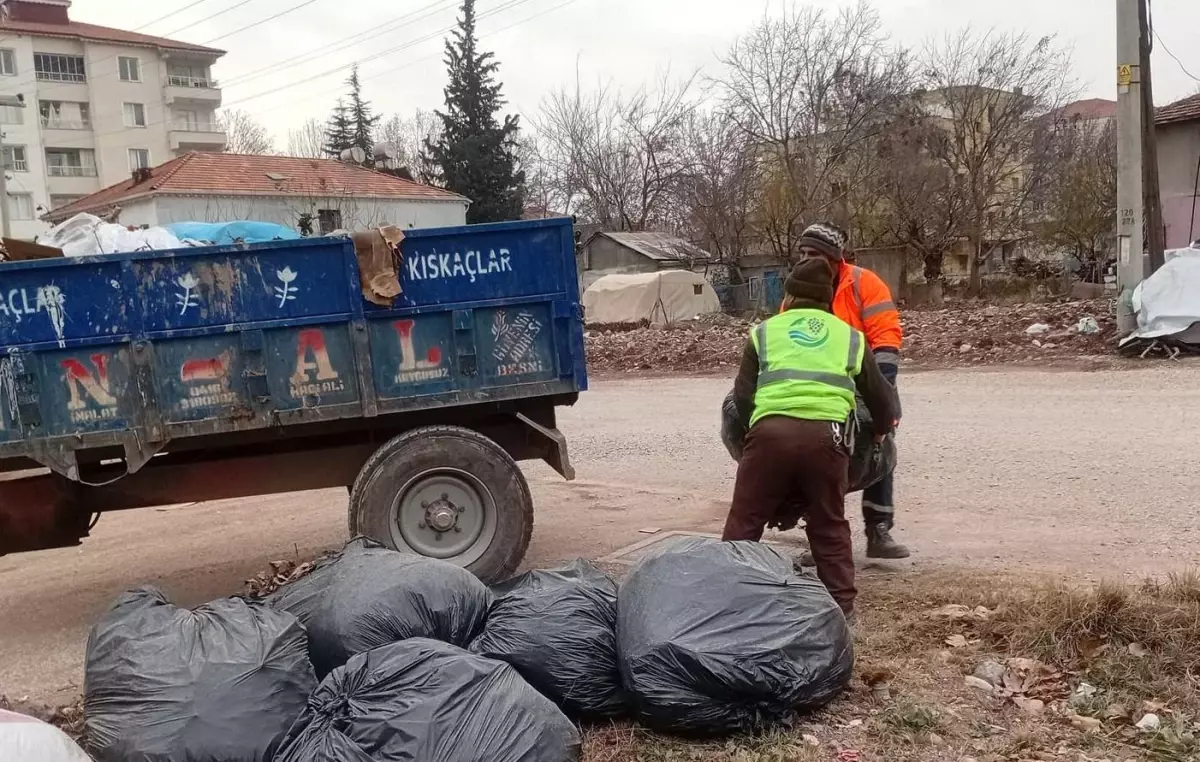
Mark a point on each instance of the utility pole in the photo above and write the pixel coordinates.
(1155, 230)
(10, 101)
(1130, 203)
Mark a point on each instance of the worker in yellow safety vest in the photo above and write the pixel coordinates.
(795, 391)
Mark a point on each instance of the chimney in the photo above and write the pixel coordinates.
(35, 11)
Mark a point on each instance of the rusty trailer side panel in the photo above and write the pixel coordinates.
(137, 353)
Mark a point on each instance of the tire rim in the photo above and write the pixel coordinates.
(444, 513)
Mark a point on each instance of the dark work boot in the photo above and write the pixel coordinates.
(881, 545)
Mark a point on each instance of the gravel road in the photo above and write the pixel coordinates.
(1086, 474)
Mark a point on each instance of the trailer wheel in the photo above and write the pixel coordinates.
(446, 492)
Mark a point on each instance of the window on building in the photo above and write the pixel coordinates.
(70, 162)
(53, 67)
(329, 220)
(65, 115)
(131, 69)
(8, 63)
(14, 159)
(58, 202)
(139, 158)
(180, 75)
(20, 206)
(135, 115)
(12, 115)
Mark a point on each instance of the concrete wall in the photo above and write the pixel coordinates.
(888, 264)
(1178, 152)
(606, 256)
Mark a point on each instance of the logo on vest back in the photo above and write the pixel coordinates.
(809, 333)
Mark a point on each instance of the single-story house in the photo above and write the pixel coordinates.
(1177, 130)
(312, 196)
(609, 253)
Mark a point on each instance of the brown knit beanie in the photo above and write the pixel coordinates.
(812, 279)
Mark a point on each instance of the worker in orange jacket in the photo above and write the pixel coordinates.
(863, 300)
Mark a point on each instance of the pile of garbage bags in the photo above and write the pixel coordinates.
(420, 661)
(422, 699)
(369, 596)
(869, 461)
(726, 637)
(221, 682)
(558, 629)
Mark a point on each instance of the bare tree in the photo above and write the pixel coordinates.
(618, 160)
(718, 192)
(243, 134)
(812, 91)
(308, 141)
(921, 203)
(1075, 204)
(990, 94)
(407, 135)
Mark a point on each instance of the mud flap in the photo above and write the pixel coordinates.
(552, 445)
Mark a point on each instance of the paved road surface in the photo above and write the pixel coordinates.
(1092, 474)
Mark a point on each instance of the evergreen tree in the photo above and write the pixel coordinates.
(339, 130)
(475, 154)
(362, 121)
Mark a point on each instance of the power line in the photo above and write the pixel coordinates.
(257, 23)
(233, 7)
(169, 15)
(1175, 57)
(345, 42)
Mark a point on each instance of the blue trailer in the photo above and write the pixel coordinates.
(155, 378)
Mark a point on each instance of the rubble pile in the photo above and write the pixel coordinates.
(967, 333)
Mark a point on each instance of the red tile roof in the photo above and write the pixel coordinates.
(227, 174)
(80, 31)
(1185, 110)
(1092, 108)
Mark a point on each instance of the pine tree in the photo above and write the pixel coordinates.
(475, 154)
(339, 130)
(362, 121)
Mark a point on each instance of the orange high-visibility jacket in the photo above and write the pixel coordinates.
(864, 301)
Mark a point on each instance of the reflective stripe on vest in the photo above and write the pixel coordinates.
(824, 390)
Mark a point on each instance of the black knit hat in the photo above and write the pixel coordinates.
(812, 279)
(826, 238)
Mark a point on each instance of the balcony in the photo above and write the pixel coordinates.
(195, 90)
(66, 124)
(196, 136)
(70, 170)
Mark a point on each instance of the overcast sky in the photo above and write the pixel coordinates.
(541, 43)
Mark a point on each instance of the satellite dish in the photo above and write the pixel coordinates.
(358, 155)
(345, 155)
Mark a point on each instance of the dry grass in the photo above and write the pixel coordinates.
(929, 714)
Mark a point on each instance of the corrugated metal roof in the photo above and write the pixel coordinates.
(662, 247)
(226, 174)
(1184, 110)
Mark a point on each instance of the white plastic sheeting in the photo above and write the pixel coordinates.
(25, 738)
(667, 296)
(85, 235)
(1168, 302)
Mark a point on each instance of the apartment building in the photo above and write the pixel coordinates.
(99, 104)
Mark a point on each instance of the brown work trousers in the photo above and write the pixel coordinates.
(788, 459)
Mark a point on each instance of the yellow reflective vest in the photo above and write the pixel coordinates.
(807, 361)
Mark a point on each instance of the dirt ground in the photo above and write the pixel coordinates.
(1081, 475)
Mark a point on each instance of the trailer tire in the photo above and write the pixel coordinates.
(446, 492)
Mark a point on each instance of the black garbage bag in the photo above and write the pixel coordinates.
(427, 701)
(369, 596)
(220, 683)
(869, 462)
(725, 637)
(559, 630)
